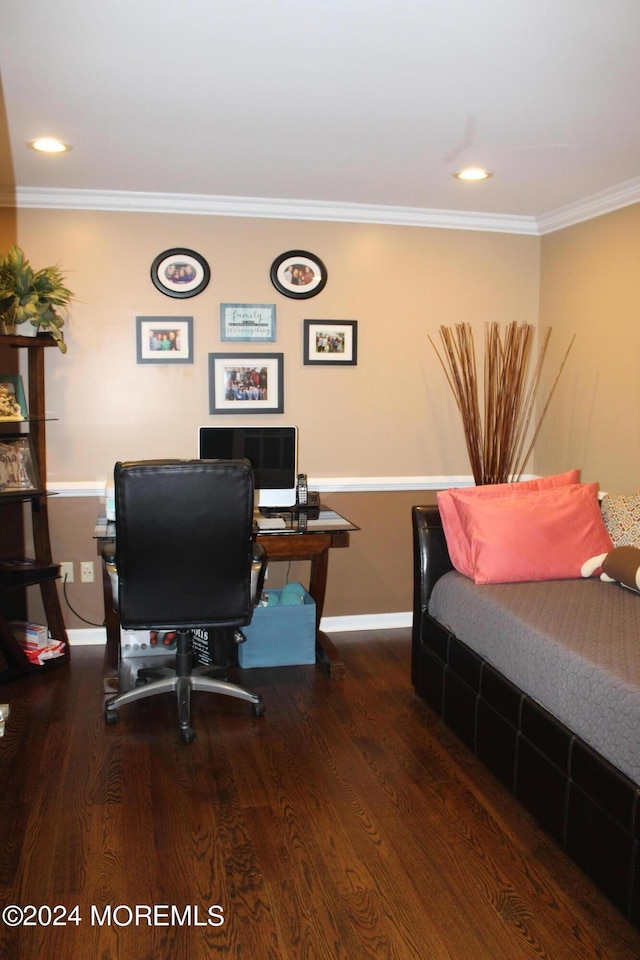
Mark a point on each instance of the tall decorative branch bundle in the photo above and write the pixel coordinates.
(496, 438)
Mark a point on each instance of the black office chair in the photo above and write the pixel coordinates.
(185, 558)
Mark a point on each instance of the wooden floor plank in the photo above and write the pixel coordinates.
(348, 822)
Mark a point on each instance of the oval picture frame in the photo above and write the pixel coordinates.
(180, 273)
(298, 274)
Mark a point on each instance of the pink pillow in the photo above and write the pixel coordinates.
(457, 540)
(544, 535)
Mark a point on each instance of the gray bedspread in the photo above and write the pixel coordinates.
(572, 645)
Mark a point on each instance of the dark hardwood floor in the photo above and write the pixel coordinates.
(345, 823)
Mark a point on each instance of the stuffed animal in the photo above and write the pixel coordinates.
(620, 565)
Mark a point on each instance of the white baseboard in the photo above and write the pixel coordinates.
(366, 621)
(87, 638)
(83, 637)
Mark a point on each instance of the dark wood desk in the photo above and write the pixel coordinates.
(297, 540)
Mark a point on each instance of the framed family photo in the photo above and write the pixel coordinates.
(331, 342)
(164, 339)
(180, 273)
(18, 471)
(248, 321)
(298, 274)
(246, 383)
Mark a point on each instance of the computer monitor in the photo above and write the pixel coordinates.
(272, 452)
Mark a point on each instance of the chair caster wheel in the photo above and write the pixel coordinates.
(187, 734)
(259, 709)
(110, 714)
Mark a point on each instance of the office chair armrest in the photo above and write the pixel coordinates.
(258, 571)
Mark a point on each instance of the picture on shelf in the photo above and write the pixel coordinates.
(18, 473)
(13, 405)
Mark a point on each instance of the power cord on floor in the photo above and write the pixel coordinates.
(74, 611)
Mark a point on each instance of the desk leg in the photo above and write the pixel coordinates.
(110, 679)
(326, 653)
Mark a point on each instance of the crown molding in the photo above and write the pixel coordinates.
(621, 195)
(265, 208)
(606, 201)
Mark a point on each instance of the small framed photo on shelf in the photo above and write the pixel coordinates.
(13, 406)
(248, 321)
(331, 342)
(298, 274)
(164, 339)
(180, 273)
(18, 470)
(246, 383)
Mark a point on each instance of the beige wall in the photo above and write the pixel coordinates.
(373, 576)
(590, 286)
(390, 416)
(8, 218)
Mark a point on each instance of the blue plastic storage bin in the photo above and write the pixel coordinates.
(280, 635)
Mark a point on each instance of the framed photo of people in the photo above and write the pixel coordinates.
(298, 274)
(180, 273)
(164, 339)
(331, 342)
(246, 383)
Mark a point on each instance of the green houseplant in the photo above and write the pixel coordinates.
(32, 296)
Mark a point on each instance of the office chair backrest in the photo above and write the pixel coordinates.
(183, 542)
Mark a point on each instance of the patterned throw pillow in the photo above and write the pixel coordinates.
(622, 519)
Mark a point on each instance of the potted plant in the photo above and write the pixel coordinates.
(32, 296)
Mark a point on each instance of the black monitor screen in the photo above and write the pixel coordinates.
(271, 451)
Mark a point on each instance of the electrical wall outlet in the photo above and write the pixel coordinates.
(66, 571)
(86, 571)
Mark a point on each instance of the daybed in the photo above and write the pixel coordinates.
(542, 681)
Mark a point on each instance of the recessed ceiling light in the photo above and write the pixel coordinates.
(48, 145)
(473, 173)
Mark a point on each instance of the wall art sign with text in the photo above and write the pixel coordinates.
(248, 321)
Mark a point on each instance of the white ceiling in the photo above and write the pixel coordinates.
(335, 102)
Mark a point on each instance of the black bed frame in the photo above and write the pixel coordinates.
(581, 800)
